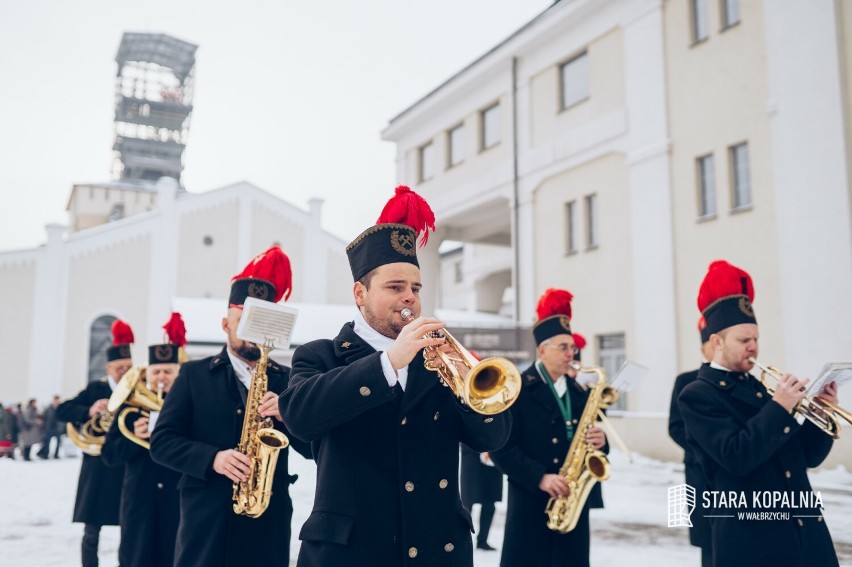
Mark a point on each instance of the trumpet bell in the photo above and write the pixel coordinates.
(492, 386)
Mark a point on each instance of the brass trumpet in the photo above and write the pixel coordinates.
(489, 387)
(133, 391)
(818, 411)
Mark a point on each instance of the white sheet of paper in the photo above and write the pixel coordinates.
(839, 372)
(263, 321)
(628, 376)
(152, 420)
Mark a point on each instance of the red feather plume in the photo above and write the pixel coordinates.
(409, 208)
(554, 302)
(122, 334)
(175, 329)
(702, 323)
(579, 341)
(723, 280)
(272, 266)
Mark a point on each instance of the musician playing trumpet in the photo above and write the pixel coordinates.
(385, 432)
(150, 507)
(545, 420)
(750, 444)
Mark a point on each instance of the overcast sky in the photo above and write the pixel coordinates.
(289, 95)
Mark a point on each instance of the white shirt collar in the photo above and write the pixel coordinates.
(719, 367)
(241, 368)
(371, 336)
(561, 384)
(111, 381)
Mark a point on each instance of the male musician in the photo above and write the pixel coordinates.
(385, 432)
(99, 487)
(748, 441)
(150, 507)
(699, 533)
(201, 423)
(545, 418)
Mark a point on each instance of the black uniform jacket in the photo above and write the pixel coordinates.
(747, 443)
(387, 480)
(699, 533)
(480, 483)
(202, 415)
(150, 507)
(99, 487)
(537, 446)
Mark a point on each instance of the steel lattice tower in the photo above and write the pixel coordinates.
(153, 106)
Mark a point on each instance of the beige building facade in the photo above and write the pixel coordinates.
(616, 148)
(139, 268)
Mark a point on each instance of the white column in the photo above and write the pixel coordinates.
(162, 271)
(810, 181)
(653, 338)
(523, 263)
(47, 342)
(314, 277)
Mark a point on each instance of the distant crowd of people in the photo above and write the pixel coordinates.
(24, 427)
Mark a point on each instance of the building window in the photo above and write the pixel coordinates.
(116, 212)
(426, 158)
(699, 20)
(455, 145)
(490, 119)
(706, 187)
(740, 182)
(571, 227)
(730, 13)
(611, 355)
(100, 337)
(592, 238)
(574, 80)
(458, 274)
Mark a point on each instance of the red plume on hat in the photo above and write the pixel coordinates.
(579, 341)
(702, 323)
(274, 267)
(175, 329)
(554, 302)
(122, 334)
(409, 208)
(723, 280)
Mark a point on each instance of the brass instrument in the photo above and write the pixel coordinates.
(490, 386)
(260, 442)
(91, 435)
(818, 411)
(133, 391)
(584, 465)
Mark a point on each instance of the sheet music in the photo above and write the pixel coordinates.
(628, 376)
(264, 320)
(839, 372)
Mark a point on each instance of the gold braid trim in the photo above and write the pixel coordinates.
(374, 229)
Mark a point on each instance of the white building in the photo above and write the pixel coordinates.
(616, 147)
(61, 297)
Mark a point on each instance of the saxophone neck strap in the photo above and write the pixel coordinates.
(563, 402)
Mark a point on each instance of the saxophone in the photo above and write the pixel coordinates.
(584, 465)
(261, 444)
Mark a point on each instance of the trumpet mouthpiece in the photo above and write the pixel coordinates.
(406, 314)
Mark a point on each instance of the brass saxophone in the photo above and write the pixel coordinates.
(260, 443)
(584, 465)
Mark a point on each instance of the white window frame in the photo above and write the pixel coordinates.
(426, 162)
(699, 24)
(571, 232)
(574, 81)
(592, 215)
(455, 146)
(490, 131)
(741, 198)
(730, 13)
(705, 171)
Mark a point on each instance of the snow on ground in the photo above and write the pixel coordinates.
(38, 500)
